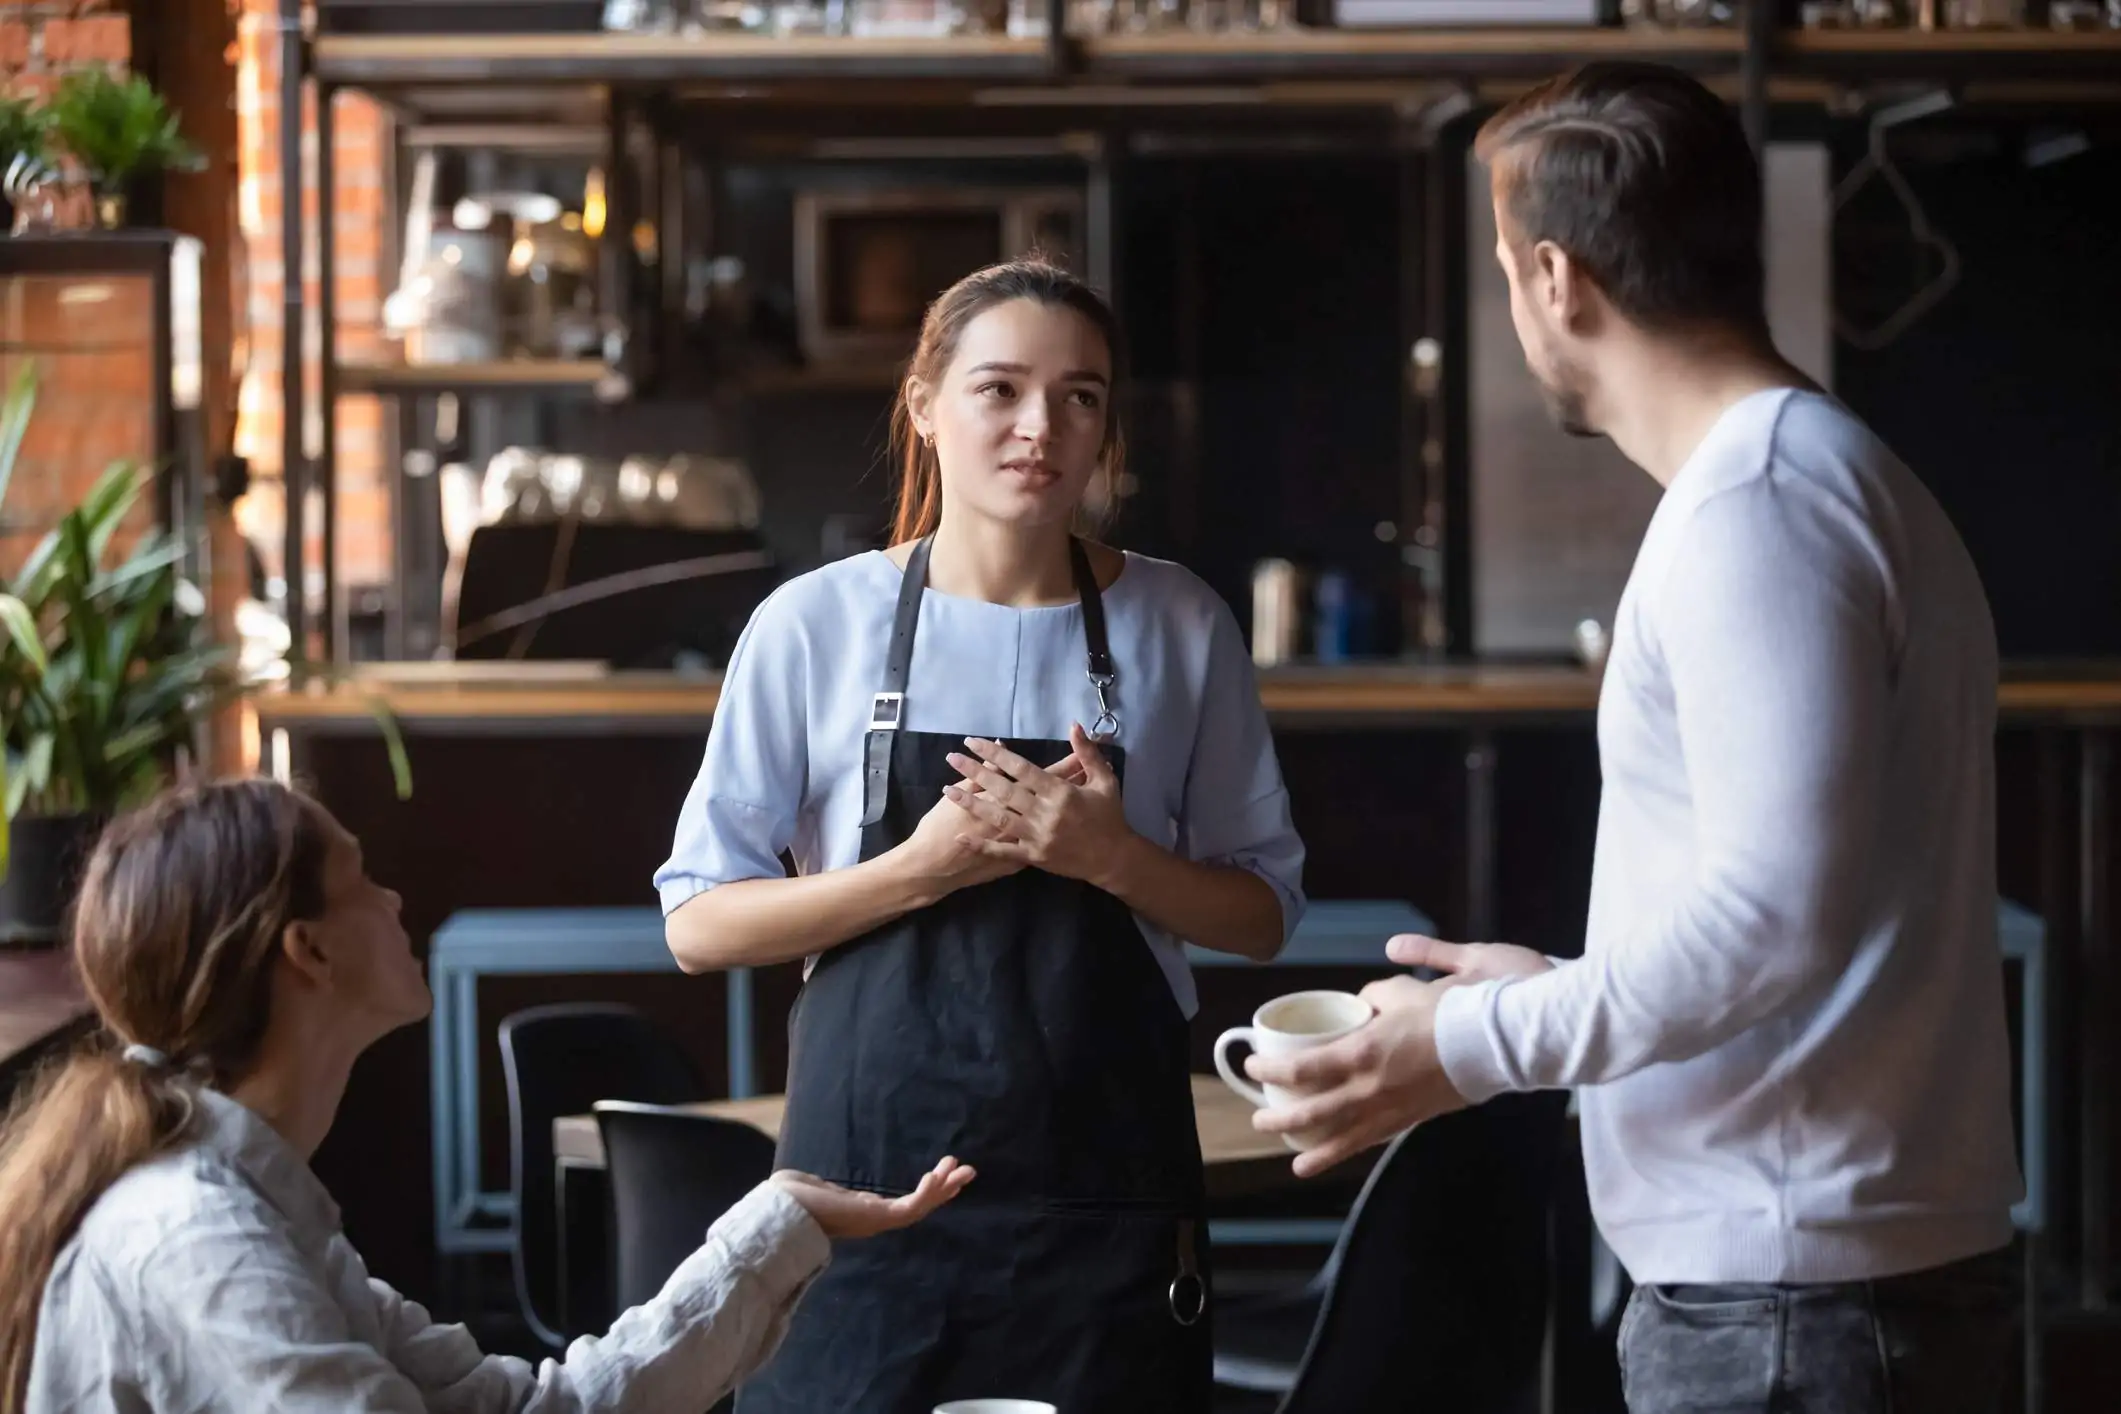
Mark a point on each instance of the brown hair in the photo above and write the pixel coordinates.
(1645, 179)
(920, 490)
(181, 913)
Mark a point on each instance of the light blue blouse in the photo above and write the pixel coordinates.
(783, 768)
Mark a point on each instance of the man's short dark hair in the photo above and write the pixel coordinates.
(1644, 178)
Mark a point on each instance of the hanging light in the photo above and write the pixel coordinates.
(593, 204)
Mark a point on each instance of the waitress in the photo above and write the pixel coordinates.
(1014, 770)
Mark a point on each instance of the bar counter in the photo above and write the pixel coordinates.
(541, 698)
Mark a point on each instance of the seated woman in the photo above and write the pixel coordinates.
(163, 1242)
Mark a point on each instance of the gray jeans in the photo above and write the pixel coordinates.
(1933, 1342)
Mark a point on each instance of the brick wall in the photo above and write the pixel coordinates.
(358, 148)
(88, 338)
(42, 39)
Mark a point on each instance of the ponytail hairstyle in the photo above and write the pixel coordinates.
(920, 489)
(181, 913)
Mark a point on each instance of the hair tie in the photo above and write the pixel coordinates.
(147, 1056)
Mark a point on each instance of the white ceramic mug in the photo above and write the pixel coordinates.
(995, 1406)
(1283, 1026)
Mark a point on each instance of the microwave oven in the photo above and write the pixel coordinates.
(869, 262)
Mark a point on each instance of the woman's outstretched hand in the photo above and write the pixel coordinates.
(844, 1212)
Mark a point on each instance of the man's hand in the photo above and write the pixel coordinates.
(1466, 962)
(1368, 1086)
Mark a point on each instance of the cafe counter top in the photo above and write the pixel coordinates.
(541, 698)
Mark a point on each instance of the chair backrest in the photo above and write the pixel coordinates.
(1436, 1296)
(672, 1174)
(561, 1060)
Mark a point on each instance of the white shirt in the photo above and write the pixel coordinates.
(1789, 1016)
(783, 769)
(215, 1278)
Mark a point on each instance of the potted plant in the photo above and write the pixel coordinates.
(104, 669)
(118, 130)
(25, 132)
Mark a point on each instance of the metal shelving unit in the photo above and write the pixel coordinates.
(584, 89)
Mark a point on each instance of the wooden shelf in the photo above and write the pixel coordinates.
(382, 61)
(1952, 54)
(587, 377)
(1404, 54)
(1295, 698)
(401, 61)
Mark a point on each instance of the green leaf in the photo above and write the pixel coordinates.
(21, 627)
(139, 625)
(39, 571)
(117, 127)
(152, 563)
(393, 745)
(14, 422)
(35, 769)
(83, 623)
(145, 737)
(109, 501)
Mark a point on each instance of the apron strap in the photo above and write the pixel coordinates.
(1102, 677)
(887, 709)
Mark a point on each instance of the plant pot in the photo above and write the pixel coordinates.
(112, 205)
(46, 854)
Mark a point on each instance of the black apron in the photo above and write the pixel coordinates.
(1023, 1026)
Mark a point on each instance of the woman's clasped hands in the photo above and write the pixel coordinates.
(1066, 819)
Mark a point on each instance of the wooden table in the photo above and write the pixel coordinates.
(478, 943)
(1240, 1159)
(40, 998)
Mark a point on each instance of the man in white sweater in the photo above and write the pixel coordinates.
(1787, 1026)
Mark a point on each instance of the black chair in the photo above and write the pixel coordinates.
(672, 1173)
(1435, 1297)
(561, 1060)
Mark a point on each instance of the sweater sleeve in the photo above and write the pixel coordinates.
(1773, 624)
(718, 1320)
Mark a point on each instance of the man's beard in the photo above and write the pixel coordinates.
(1567, 410)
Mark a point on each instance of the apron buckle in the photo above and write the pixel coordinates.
(886, 710)
(1189, 1299)
(1107, 724)
(1189, 1293)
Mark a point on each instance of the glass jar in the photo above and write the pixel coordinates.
(1678, 14)
(1984, 14)
(1853, 14)
(2084, 14)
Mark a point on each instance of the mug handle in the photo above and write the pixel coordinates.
(1231, 1078)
